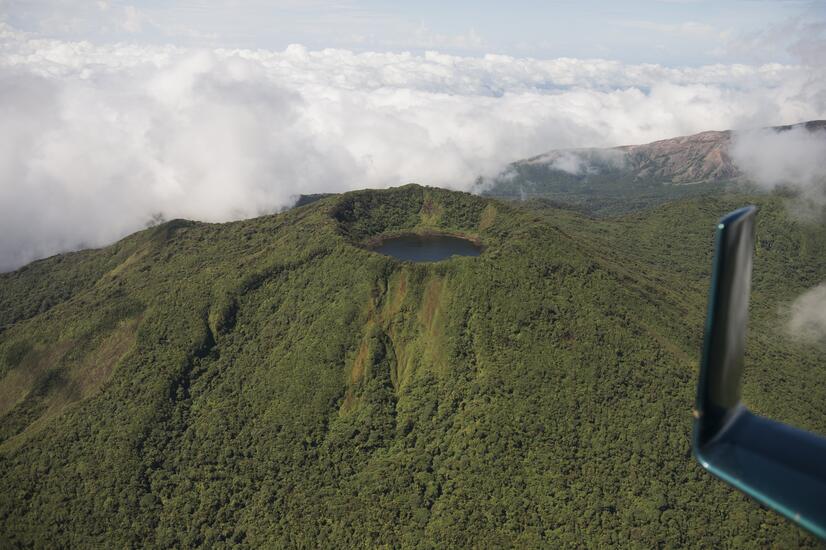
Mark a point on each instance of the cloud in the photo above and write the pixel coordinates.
(792, 159)
(804, 36)
(687, 28)
(95, 140)
(423, 37)
(133, 19)
(807, 321)
(581, 162)
(570, 162)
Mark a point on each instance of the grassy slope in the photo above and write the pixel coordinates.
(268, 382)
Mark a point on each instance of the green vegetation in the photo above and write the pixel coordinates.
(273, 383)
(608, 192)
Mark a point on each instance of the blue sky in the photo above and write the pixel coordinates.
(667, 32)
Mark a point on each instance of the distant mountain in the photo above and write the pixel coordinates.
(623, 178)
(689, 159)
(274, 383)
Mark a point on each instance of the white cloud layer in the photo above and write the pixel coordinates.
(94, 140)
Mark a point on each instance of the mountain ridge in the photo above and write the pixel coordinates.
(273, 382)
(620, 179)
(693, 158)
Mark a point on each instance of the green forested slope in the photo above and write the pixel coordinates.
(273, 383)
(609, 194)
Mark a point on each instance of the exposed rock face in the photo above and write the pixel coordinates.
(688, 159)
(618, 180)
(702, 157)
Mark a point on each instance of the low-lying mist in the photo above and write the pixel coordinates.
(807, 316)
(793, 160)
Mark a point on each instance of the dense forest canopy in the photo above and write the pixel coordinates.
(273, 382)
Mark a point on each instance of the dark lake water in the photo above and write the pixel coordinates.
(427, 248)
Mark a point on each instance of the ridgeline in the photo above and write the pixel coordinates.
(274, 383)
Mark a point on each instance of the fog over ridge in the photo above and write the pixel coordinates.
(97, 139)
(793, 158)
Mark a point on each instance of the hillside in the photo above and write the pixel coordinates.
(272, 383)
(631, 177)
